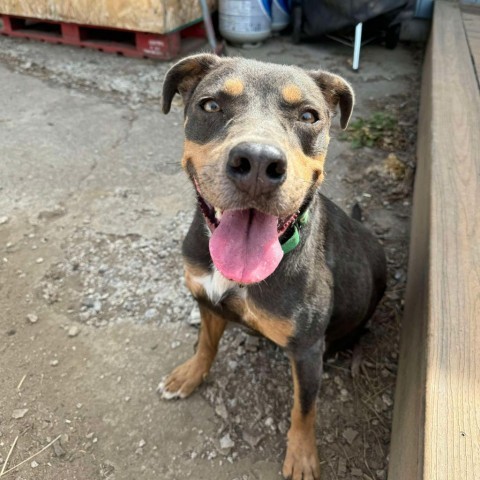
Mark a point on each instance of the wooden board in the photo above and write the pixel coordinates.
(154, 16)
(472, 28)
(436, 428)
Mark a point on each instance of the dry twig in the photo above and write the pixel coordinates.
(8, 457)
(3, 473)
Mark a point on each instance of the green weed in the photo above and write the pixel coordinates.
(377, 130)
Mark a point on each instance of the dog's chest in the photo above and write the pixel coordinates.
(234, 299)
(217, 287)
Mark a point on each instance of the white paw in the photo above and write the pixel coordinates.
(166, 394)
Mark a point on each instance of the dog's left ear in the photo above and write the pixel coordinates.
(185, 75)
(337, 91)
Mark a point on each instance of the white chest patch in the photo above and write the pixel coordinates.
(216, 285)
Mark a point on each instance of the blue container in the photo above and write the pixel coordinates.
(280, 14)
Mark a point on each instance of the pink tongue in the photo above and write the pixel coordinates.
(245, 246)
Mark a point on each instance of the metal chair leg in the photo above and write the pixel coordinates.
(357, 45)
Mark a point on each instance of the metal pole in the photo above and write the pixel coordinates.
(357, 45)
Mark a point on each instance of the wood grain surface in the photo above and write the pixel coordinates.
(155, 16)
(436, 430)
(472, 28)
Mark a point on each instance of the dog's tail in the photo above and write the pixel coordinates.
(357, 212)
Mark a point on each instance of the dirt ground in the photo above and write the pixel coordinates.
(93, 309)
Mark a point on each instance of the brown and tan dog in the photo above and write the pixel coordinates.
(265, 248)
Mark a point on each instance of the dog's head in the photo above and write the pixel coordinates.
(256, 140)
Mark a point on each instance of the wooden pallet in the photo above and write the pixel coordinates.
(436, 426)
(110, 40)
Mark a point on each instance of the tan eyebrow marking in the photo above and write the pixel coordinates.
(233, 86)
(291, 93)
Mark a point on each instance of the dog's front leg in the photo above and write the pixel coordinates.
(301, 461)
(188, 376)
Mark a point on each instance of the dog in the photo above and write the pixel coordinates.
(266, 248)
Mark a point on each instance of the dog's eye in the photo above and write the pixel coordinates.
(309, 116)
(211, 106)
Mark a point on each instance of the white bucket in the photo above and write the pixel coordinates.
(245, 21)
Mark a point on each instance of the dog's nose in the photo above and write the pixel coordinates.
(256, 168)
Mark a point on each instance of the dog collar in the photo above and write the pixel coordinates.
(294, 239)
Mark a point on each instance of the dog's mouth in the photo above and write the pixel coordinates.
(245, 244)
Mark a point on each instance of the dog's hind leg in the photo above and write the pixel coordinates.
(188, 376)
(301, 460)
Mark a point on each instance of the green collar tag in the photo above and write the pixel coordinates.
(294, 240)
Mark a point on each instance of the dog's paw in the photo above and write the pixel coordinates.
(301, 463)
(183, 380)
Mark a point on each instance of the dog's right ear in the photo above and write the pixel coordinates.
(185, 75)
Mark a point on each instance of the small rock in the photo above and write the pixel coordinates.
(34, 464)
(342, 467)
(39, 260)
(211, 455)
(350, 435)
(221, 411)
(387, 400)
(19, 413)
(329, 437)
(3, 220)
(54, 362)
(151, 313)
(73, 331)
(226, 443)
(381, 474)
(356, 472)
(32, 318)
(142, 443)
(252, 343)
(252, 440)
(56, 211)
(283, 427)
(88, 302)
(58, 450)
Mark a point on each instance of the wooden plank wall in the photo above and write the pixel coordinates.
(436, 427)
